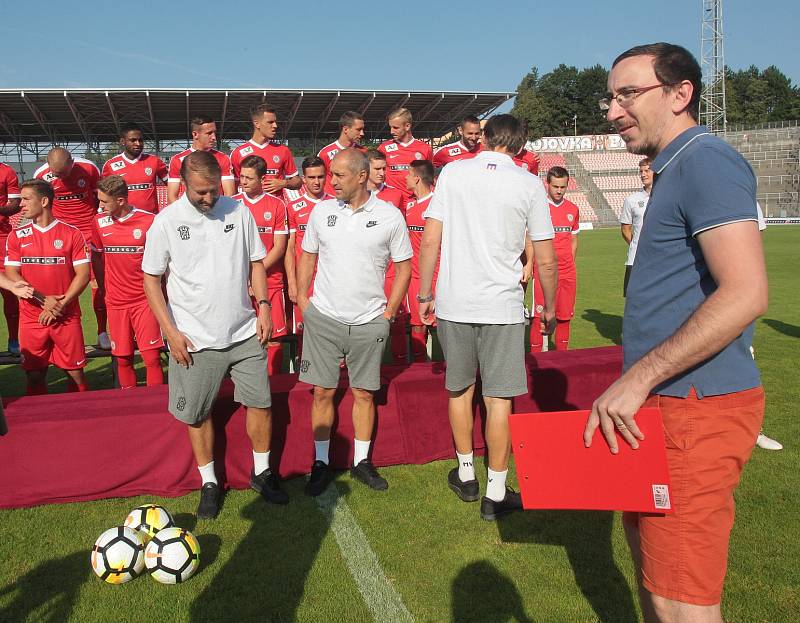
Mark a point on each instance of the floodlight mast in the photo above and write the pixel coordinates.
(712, 62)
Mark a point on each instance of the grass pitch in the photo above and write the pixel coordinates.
(262, 563)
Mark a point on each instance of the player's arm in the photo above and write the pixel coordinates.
(229, 187)
(258, 283)
(10, 208)
(627, 232)
(428, 256)
(305, 271)
(574, 245)
(99, 267)
(402, 277)
(290, 264)
(276, 253)
(527, 260)
(76, 286)
(12, 280)
(547, 272)
(173, 189)
(625, 222)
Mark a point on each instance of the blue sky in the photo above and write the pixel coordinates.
(361, 45)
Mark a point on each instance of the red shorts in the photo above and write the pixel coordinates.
(685, 554)
(60, 344)
(276, 300)
(565, 295)
(139, 321)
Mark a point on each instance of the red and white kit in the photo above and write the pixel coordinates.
(416, 226)
(566, 225)
(327, 153)
(141, 176)
(454, 151)
(279, 159)
(9, 189)
(176, 161)
(398, 157)
(121, 241)
(527, 160)
(75, 202)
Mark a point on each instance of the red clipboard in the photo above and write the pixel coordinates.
(556, 471)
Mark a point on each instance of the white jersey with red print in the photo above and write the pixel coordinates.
(141, 176)
(176, 161)
(527, 160)
(9, 189)
(454, 151)
(566, 224)
(327, 153)
(269, 213)
(75, 203)
(398, 157)
(279, 159)
(121, 241)
(46, 257)
(298, 212)
(392, 195)
(416, 226)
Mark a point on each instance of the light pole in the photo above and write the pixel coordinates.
(575, 123)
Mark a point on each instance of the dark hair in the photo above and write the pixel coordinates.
(558, 172)
(203, 163)
(504, 131)
(41, 188)
(257, 111)
(672, 64)
(374, 154)
(255, 162)
(113, 185)
(200, 121)
(349, 118)
(311, 162)
(423, 168)
(469, 119)
(129, 127)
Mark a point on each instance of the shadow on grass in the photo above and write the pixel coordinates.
(472, 583)
(791, 330)
(51, 588)
(607, 325)
(586, 538)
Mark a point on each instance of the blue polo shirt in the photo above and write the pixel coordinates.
(701, 182)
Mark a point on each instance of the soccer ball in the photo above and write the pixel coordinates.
(149, 519)
(172, 555)
(118, 555)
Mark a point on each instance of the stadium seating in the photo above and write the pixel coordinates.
(548, 160)
(609, 160)
(617, 182)
(587, 213)
(615, 199)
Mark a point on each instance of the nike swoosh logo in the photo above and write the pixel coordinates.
(107, 234)
(153, 341)
(26, 245)
(79, 363)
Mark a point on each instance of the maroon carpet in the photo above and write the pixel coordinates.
(112, 443)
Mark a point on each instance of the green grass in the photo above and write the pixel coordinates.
(283, 564)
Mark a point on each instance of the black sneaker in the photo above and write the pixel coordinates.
(209, 501)
(491, 510)
(365, 472)
(320, 477)
(269, 486)
(467, 490)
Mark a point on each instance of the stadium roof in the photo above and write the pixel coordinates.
(90, 115)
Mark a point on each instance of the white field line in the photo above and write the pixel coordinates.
(381, 598)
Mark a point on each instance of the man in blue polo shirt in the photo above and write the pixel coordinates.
(687, 329)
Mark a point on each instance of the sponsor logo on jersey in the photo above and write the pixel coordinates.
(455, 151)
(264, 230)
(271, 171)
(137, 234)
(139, 186)
(44, 260)
(27, 231)
(562, 229)
(399, 167)
(116, 166)
(416, 228)
(331, 220)
(299, 205)
(246, 151)
(82, 183)
(148, 171)
(228, 227)
(392, 147)
(371, 224)
(124, 249)
(183, 231)
(105, 221)
(49, 177)
(70, 197)
(302, 227)
(58, 243)
(267, 216)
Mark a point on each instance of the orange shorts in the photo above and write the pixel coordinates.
(685, 555)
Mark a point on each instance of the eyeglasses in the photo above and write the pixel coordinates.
(626, 96)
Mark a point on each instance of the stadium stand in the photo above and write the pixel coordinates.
(587, 213)
(615, 199)
(546, 161)
(608, 160)
(617, 182)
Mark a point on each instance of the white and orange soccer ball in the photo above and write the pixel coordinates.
(118, 555)
(148, 520)
(172, 556)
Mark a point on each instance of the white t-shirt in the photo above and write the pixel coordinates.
(354, 249)
(633, 214)
(208, 257)
(485, 205)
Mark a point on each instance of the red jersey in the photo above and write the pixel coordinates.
(269, 213)
(398, 157)
(9, 189)
(141, 175)
(121, 241)
(298, 212)
(565, 224)
(527, 160)
(416, 225)
(327, 153)
(76, 202)
(392, 195)
(176, 161)
(279, 159)
(453, 152)
(47, 257)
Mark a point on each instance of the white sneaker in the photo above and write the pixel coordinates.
(767, 443)
(103, 341)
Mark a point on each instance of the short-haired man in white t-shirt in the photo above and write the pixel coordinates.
(350, 240)
(632, 216)
(490, 217)
(211, 247)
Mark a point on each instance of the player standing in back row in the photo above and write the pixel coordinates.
(351, 131)
(401, 150)
(9, 206)
(468, 146)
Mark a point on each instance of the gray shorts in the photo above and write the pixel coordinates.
(193, 390)
(497, 349)
(326, 341)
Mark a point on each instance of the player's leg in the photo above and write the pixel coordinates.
(148, 337)
(76, 380)
(11, 312)
(69, 352)
(36, 381)
(398, 342)
(120, 323)
(419, 332)
(565, 307)
(536, 337)
(99, 306)
(562, 334)
(279, 329)
(35, 349)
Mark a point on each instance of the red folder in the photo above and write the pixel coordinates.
(556, 471)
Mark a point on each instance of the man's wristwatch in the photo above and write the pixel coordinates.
(425, 299)
(264, 302)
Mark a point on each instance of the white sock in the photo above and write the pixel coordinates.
(361, 451)
(321, 450)
(207, 473)
(260, 461)
(466, 469)
(496, 487)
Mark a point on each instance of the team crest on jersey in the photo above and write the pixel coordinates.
(105, 221)
(539, 309)
(49, 177)
(81, 182)
(116, 166)
(267, 216)
(148, 171)
(641, 204)
(418, 156)
(276, 159)
(183, 231)
(58, 243)
(331, 220)
(300, 205)
(137, 234)
(391, 147)
(22, 233)
(246, 151)
(570, 218)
